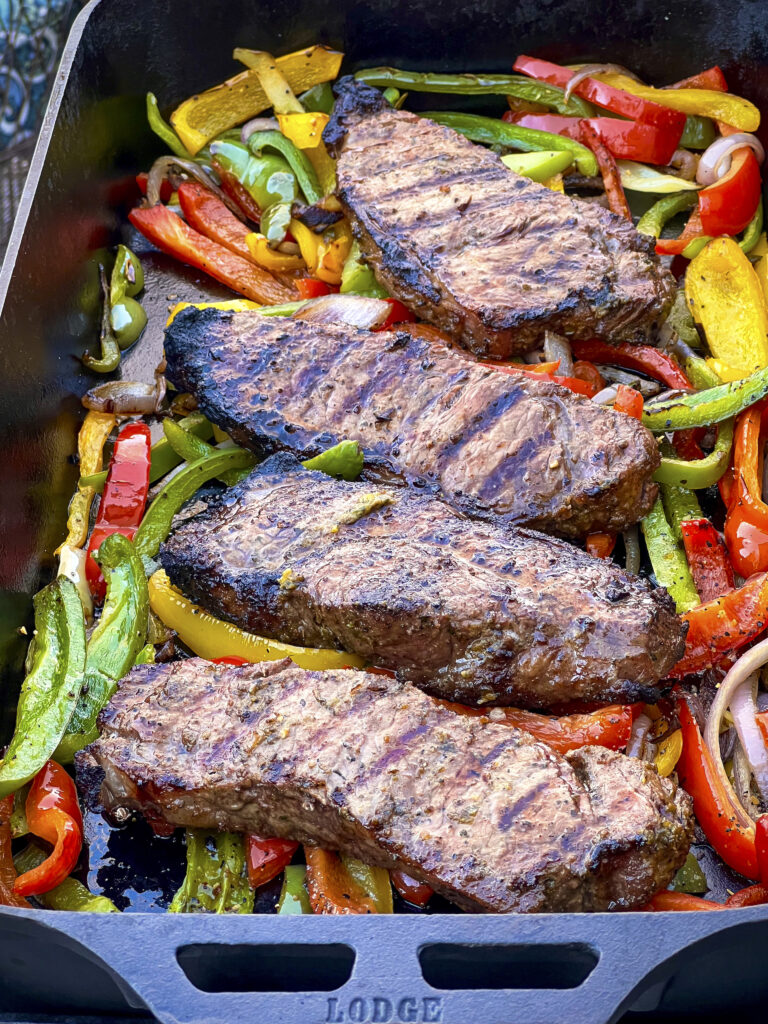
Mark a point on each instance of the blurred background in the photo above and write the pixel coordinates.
(32, 34)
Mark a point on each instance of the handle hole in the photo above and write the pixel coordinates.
(274, 967)
(468, 966)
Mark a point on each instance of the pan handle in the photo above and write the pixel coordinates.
(394, 970)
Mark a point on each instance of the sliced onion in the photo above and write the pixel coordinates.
(258, 124)
(647, 388)
(128, 397)
(686, 162)
(556, 347)
(716, 161)
(169, 166)
(632, 550)
(596, 69)
(741, 673)
(743, 709)
(638, 735)
(728, 743)
(742, 782)
(607, 396)
(355, 310)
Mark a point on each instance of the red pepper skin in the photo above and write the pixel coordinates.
(600, 545)
(711, 803)
(644, 358)
(712, 78)
(53, 813)
(575, 384)
(608, 169)
(746, 522)
(232, 659)
(691, 231)
(418, 894)
(729, 205)
(628, 401)
(707, 558)
(606, 96)
(266, 858)
(311, 288)
(206, 213)
(687, 445)
(172, 236)
(626, 140)
(239, 195)
(166, 189)
(752, 896)
(761, 847)
(399, 314)
(8, 898)
(666, 900)
(124, 498)
(723, 625)
(584, 370)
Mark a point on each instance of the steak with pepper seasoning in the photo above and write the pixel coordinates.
(465, 610)
(482, 812)
(494, 445)
(491, 257)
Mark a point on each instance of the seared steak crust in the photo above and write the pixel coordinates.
(489, 256)
(462, 609)
(345, 760)
(493, 445)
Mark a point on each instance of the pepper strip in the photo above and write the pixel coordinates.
(342, 885)
(96, 428)
(711, 803)
(746, 521)
(704, 408)
(67, 895)
(294, 898)
(163, 130)
(216, 881)
(721, 626)
(645, 358)
(52, 687)
(207, 214)
(418, 894)
(53, 814)
(653, 220)
(668, 561)
(266, 858)
(297, 160)
(608, 170)
(699, 473)
(8, 898)
(707, 557)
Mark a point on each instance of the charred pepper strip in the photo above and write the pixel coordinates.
(609, 172)
(478, 85)
(668, 561)
(342, 885)
(704, 408)
(53, 814)
(110, 349)
(216, 880)
(708, 558)
(96, 428)
(493, 132)
(645, 358)
(746, 521)
(50, 691)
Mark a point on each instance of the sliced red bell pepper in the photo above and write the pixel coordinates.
(644, 358)
(752, 896)
(584, 370)
(666, 901)
(166, 188)
(206, 213)
(53, 813)
(712, 78)
(719, 627)
(608, 169)
(399, 314)
(761, 847)
(746, 522)
(626, 140)
(729, 205)
(628, 401)
(691, 231)
(687, 445)
(238, 193)
(575, 384)
(266, 858)
(8, 898)
(707, 558)
(600, 545)
(124, 498)
(712, 804)
(606, 727)
(172, 236)
(418, 894)
(606, 96)
(231, 659)
(311, 288)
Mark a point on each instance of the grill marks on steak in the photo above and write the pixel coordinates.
(489, 256)
(465, 610)
(491, 444)
(487, 816)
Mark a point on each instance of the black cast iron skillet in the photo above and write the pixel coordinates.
(458, 969)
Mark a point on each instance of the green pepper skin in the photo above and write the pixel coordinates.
(669, 563)
(128, 320)
(275, 221)
(115, 642)
(494, 132)
(267, 178)
(699, 473)
(344, 461)
(127, 275)
(704, 408)
(50, 692)
(159, 516)
(653, 220)
(479, 85)
(319, 99)
(298, 161)
(294, 898)
(357, 278)
(69, 894)
(690, 878)
(163, 456)
(699, 133)
(163, 130)
(747, 242)
(679, 504)
(110, 350)
(146, 655)
(217, 879)
(191, 448)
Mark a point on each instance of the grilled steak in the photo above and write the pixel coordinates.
(483, 813)
(491, 257)
(464, 610)
(492, 444)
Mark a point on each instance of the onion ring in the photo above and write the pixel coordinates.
(596, 69)
(712, 164)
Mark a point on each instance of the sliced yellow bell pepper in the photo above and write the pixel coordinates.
(210, 637)
(761, 269)
(274, 83)
(306, 132)
(722, 106)
(233, 305)
(200, 118)
(271, 259)
(324, 254)
(726, 373)
(669, 753)
(760, 248)
(96, 428)
(725, 297)
(555, 183)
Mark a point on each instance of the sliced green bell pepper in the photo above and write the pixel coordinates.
(699, 473)
(294, 898)
(357, 277)
(163, 130)
(191, 448)
(699, 132)
(538, 166)
(669, 563)
(67, 895)
(267, 178)
(319, 99)
(653, 220)
(690, 877)
(217, 878)
(344, 460)
(704, 408)
(297, 161)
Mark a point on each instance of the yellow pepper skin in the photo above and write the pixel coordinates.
(305, 131)
(720, 106)
(725, 372)
(724, 295)
(326, 254)
(210, 637)
(669, 753)
(201, 118)
(96, 428)
(231, 305)
(761, 269)
(271, 259)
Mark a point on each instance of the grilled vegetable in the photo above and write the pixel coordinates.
(8, 898)
(53, 814)
(704, 408)
(217, 879)
(162, 129)
(67, 895)
(746, 521)
(707, 558)
(669, 564)
(338, 884)
(294, 898)
(699, 473)
(266, 858)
